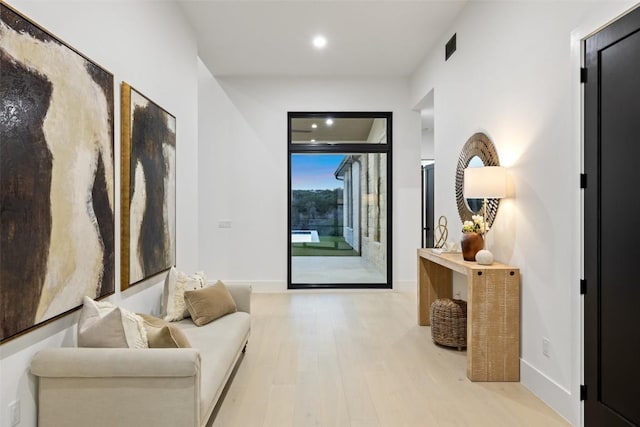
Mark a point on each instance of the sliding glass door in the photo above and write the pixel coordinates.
(339, 200)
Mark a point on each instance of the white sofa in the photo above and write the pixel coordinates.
(143, 387)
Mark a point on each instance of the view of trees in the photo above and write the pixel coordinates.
(317, 210)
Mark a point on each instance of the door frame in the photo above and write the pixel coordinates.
(386, 149)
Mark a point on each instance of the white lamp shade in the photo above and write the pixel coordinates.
(486, 181)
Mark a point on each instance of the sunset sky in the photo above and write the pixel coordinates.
(315, 171)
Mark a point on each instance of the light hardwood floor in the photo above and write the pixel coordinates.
(360, 359)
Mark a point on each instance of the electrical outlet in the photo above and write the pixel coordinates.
(14, 412)
(457, 295)
(224, 224)
(545, 346)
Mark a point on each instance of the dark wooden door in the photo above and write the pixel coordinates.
(612, 230)
(427, 206)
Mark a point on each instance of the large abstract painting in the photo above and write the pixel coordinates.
(56, 177)
(148, 225)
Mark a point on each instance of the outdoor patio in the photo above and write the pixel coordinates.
(320, 269)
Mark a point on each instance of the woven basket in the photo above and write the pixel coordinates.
(449, 322)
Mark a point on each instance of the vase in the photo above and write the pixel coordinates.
(471, 243)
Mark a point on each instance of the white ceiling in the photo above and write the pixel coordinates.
(273, 38)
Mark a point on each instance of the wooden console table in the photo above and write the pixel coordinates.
(493, 311)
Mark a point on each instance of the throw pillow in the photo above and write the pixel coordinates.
(102, 324)
(162, 334)
(176, 283)
(208, 304)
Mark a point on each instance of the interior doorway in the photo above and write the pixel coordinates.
(428, 219)
(427, 163)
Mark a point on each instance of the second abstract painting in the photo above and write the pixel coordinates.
(148, 225)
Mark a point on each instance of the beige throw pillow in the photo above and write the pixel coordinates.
(102, 324)
(208, 304)
(176, 283)
(162, 334)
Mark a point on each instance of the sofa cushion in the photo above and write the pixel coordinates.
(163, 334)
(177, 282)
(208, 304)
(102, 324)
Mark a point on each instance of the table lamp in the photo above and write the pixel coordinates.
(486, 182)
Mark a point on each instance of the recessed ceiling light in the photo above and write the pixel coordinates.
(313, 126)
(320, 42)
(329, 122)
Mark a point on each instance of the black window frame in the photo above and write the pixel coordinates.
(340, 148)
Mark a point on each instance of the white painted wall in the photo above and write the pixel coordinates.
(243, 170)
(514, 77)
(148, 45)
(427, 145)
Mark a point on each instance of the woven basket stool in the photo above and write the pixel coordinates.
(449, 322)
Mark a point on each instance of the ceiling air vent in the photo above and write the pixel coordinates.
(450, 47)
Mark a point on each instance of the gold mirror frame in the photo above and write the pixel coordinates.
(478, 145)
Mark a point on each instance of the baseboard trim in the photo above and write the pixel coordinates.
(277, 286)
(262, 286)
(405, 286)
(550, 392)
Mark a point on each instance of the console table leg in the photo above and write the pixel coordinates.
(434, 281)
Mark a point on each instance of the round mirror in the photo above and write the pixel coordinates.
(478, 151)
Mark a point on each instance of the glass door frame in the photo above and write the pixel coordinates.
(331, 148)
